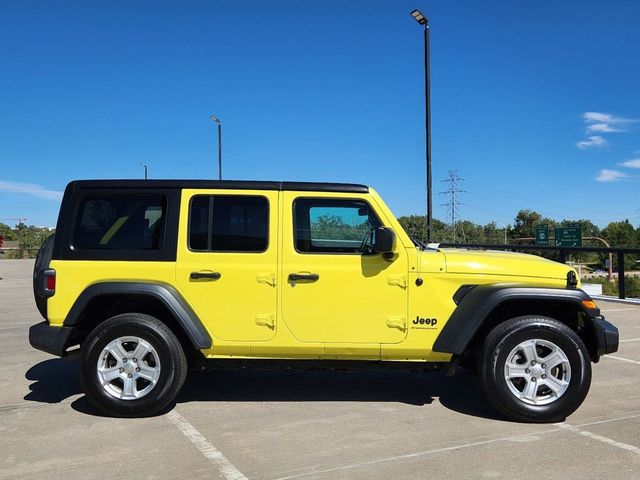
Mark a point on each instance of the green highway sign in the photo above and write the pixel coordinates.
(542, 235)
(569, 236)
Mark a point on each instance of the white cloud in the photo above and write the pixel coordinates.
(600, 117)
(596, 117)
(610, 175)
(602, 127)
(30, 189)
(600, 122)
(593, 141)
(633, 163)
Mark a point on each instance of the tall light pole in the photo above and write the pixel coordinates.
(145, 169)
(217, 120)
(424, 21)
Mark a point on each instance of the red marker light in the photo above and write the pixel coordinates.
(51, 282)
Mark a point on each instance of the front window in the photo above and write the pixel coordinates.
(333, 226)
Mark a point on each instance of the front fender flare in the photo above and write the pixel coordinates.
(479, 302)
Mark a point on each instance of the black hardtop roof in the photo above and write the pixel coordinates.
(223, 184)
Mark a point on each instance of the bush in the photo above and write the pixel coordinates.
(632, 286)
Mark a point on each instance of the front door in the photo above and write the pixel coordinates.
(334, 290)
(227, 261)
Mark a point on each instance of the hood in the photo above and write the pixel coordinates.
(491, 262)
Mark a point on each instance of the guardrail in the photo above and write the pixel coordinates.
(620, 252)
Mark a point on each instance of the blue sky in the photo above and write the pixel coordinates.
(534, 103)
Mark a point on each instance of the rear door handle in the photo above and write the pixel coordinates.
(205, 275)
(308, 277)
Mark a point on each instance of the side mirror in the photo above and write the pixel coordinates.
(384, 240)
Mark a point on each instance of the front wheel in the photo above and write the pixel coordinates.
(132, 365)
(535, 369)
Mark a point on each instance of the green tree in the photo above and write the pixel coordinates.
(7, 232)
(525, 223)
(622, 234)
(416, 226)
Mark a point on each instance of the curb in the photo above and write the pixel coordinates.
(607, 298)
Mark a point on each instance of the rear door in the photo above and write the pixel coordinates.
(227, 261)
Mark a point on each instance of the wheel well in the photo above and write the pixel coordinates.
(104, 307)
(565, 312)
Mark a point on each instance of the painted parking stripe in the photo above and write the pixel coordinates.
(226, 468)
(627, 340)
(510, 438)
(600, 438)
(622, 359)
(413, 455)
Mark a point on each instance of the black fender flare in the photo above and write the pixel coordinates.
(166, 294)
(477, 304)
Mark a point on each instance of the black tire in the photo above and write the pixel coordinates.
(499, 345)
(172, 363)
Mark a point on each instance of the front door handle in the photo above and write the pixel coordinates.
(304, 277)
(205, 275)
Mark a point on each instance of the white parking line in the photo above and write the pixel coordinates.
(414, 455)
(226, 468)
(626, 340)
(622, 359)
(600, 438)
(512, 438)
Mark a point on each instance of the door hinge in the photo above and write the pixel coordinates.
(268, 278)
(399, 280)
(397, 322)
(266, 321)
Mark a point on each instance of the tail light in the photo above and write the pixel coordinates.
(49, 283)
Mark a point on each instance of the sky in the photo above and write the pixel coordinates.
(535, 104)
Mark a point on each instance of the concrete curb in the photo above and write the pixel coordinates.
(607, 298)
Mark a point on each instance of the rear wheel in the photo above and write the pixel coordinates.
(535, 369)
(132, 365)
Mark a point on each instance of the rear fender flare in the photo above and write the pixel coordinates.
(166, 294)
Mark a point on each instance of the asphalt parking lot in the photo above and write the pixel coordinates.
(305, 425)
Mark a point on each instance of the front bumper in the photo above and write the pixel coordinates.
(606, 336)
(53, 340)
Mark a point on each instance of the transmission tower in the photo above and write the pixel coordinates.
(454, 203)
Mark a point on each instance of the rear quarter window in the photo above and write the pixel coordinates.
(120, 222)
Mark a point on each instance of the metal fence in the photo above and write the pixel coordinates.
(562, 253)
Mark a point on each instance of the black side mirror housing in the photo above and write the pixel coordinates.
(384, 240)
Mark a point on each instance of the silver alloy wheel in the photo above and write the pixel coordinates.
(537, 372)
(128, 368)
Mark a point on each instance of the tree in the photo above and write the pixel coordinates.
(622, 234)
(7, 232)
(416, 226)
(525, 223)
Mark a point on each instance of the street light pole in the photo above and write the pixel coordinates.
(215, 119)
(145, 169)
(424, 21)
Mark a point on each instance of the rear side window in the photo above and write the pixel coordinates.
(228, 223)
(120, 222)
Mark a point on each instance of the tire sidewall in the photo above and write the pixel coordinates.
(122, 326)
(578, 358)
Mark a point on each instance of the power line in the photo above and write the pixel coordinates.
(453, 203)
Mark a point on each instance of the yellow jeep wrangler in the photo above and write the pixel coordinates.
(151, 277)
